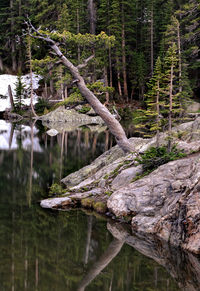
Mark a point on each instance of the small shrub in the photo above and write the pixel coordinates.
(84, 109)
(87, 202)
(100, 207)
(73, 98)
(41, 106)
(157, 156)
(56, 189)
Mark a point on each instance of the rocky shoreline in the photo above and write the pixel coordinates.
(165, 203)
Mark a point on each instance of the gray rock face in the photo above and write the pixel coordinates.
(68, 120)
(103, 165)
(193, 107)
(55, 202)
(165, 203)
(185, 135)
(125, 177)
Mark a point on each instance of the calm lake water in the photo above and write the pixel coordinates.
(71, 250)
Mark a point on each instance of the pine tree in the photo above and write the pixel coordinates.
(173, 35)
(20, 93)
(154, 98)
(189, 15)
(170, 89)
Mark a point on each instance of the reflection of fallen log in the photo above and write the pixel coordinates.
(183, 267)
(111, 252)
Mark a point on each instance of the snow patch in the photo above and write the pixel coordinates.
(20, 137)
(11, 80)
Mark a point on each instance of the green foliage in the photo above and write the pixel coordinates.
(157, 156)
(68, 23)
(84, 109)
(56, 189)
(41, 105)
(75, 97)
(20, 93)
(98, 87)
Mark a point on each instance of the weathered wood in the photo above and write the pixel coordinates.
(11, 97)
(113, 124)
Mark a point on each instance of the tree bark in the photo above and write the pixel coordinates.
(124, 56)
(92, 16)
(171, 98)
(158, 111)
(118, 78)
(106, 84)
(11, 97)
(152, 48)
(179, 57)
(113, 125)
(1, 64)
(31, 75)
(13, 50)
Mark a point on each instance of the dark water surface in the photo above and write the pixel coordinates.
(51, 250)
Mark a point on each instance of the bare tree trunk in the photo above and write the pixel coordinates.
(118, 78)
(110, 68)
(92, 20)
(1, 64)
(45, 90)
(65, 93)
(51, 83)
(158, 111)
(106, 84)
(124, 56)
(152, 49)
(171, 98)
(31, 74)
(113, 125)
(78, 31)
(13, 50)
(179, 57)
(92, 16)
(20, 43)
(11, 97)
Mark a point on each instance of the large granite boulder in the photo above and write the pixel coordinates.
(63, 119)
(103, 165)
(165, 203)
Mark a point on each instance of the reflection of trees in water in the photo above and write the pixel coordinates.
(110, 253)
(69, 151)
(45, 251)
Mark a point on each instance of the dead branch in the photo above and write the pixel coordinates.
(85, 62)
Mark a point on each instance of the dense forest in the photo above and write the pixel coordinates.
(136, 44)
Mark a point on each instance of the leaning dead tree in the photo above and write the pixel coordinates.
(113, 125)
